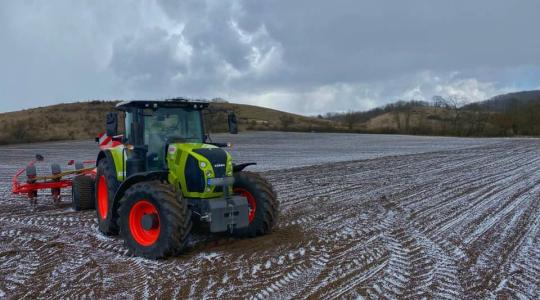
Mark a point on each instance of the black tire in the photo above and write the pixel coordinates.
(83, 193)
(174, 220)
(107, 217)
(267, 205)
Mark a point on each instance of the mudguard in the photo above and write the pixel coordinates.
(240, 167)
(136, 178)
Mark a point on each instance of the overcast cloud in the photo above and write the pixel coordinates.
(307, 57)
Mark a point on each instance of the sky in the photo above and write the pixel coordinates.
(302, 56)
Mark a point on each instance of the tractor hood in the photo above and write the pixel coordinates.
(192, 164)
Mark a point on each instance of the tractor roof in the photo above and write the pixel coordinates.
(174, 102)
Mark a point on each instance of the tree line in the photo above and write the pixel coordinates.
(450, 116)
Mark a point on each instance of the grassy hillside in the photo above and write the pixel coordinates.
(84, 120)
(434, 121)
(253, 117)
(504, 115)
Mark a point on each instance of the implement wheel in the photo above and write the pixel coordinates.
(82, 193)
(262, 200)
(154, 221)
(106, 186)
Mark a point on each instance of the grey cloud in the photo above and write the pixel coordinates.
(302, 56)
(147, 59)
(366, 40)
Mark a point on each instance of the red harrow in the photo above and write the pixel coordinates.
(55, 182)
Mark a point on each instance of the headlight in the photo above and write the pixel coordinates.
(208, 174)
(203, 164)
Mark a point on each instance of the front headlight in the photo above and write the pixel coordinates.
(202, 164)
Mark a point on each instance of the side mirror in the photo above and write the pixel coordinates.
(112, 124)
(233, 124)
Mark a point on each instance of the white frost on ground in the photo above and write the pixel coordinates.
(454, 219)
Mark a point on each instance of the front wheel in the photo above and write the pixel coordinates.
(262, 200)
(154, 221)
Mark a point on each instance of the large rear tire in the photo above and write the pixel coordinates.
(154, 221)
(262, 199)
(82, 193)
(106, 187)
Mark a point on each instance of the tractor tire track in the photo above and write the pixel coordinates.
(451, 224)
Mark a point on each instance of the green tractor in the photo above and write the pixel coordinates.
(162, 175)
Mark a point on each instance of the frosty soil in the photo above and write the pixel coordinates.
(459, 223)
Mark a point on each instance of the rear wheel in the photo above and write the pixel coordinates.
(262, 202)
(82, 193)
(106, 186)
(154, 221)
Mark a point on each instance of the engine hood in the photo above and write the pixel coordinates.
(192, 164)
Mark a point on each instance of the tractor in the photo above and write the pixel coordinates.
(163, 175)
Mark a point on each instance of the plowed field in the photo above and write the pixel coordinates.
(368, 216)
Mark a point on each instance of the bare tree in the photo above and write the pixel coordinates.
(350, 118)
(454, 104)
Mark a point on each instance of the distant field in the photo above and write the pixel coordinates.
(362, 216)
(279, 150)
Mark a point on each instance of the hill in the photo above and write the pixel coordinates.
(504, 115)
(506, 102)
(84, 120)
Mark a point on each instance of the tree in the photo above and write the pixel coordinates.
(454, 104)
(286, 121)
(350, 118)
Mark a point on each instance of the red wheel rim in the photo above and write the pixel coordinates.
(140, 235)
(251, 201)
(103, 197)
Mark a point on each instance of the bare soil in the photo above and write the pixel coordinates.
(459, 223)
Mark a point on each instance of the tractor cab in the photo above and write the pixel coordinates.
(152, 126)
(156, 124)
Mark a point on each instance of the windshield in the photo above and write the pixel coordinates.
(177, 123)
(171, 124)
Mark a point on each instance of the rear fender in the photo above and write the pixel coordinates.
(105, 154)
(114, 155)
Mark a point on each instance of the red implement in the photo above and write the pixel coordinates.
(55, 182)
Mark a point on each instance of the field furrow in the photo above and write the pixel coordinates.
(460, 222)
